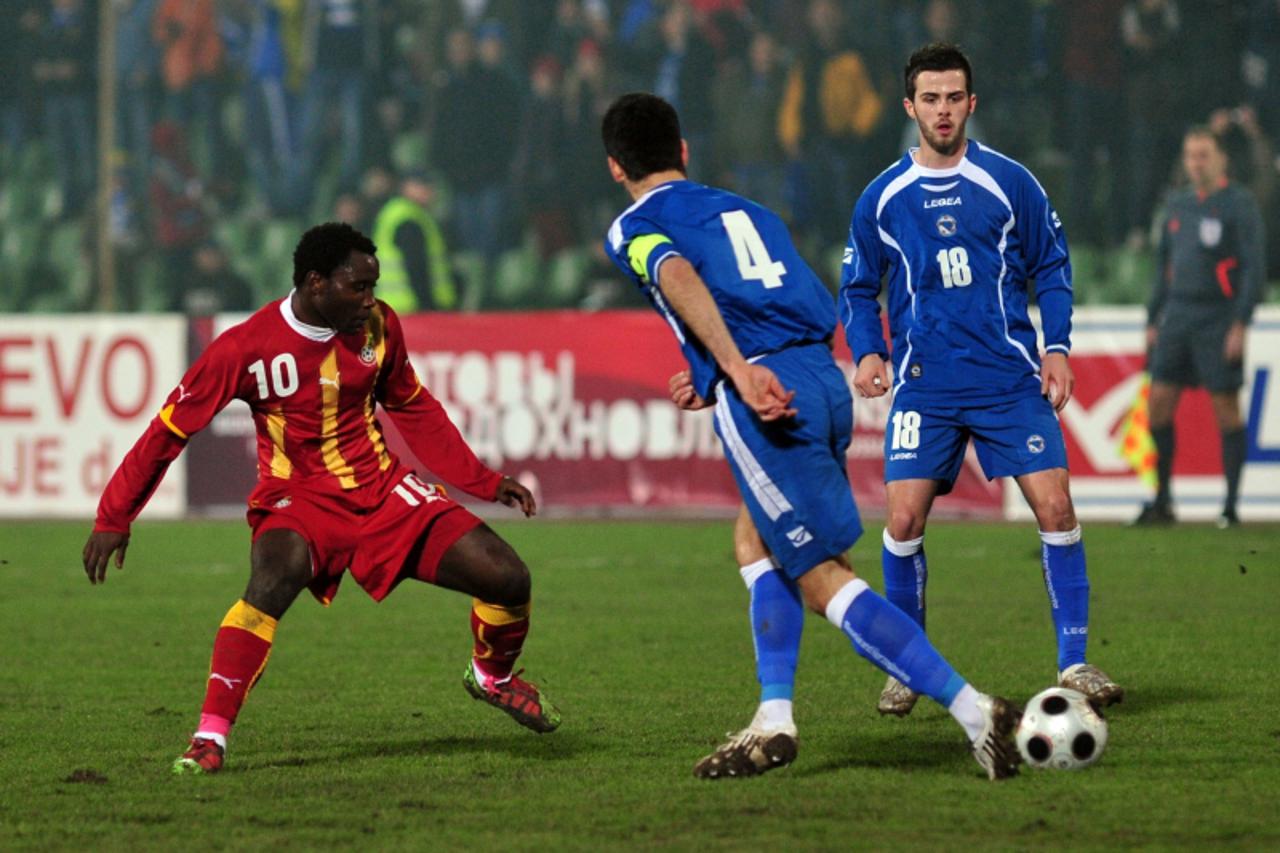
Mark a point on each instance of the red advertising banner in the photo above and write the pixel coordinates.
(76, 391)
(575, 405)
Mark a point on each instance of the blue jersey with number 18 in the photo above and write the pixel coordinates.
(956, 248)
(768, 296)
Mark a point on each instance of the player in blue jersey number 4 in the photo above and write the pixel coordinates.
(755, 324)
(957, 230)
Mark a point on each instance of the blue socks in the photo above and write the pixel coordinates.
(777, 618)
(1065, 579)
(887, 637)
(905, 575)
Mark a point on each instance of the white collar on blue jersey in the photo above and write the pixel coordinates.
(311, 333)
(925, 171)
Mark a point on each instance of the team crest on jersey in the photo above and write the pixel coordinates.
(947, 225)
(367, 354)
(915, 371)
(1035, 443)
(1210, 232)
(799, 537)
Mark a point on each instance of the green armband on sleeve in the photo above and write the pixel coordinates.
(641, 249)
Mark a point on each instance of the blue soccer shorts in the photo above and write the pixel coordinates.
(1020, 436)
(791, 473)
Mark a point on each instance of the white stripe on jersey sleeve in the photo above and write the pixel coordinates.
(615, 230)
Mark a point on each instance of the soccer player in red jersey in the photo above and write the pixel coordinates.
(330, 497)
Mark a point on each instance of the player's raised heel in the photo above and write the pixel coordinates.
(994, 748)
(897, 698)
(1095, 684)
(750, 752)
(202, 757)
(520, 699)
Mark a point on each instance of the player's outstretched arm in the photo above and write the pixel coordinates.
(513, 494)
(1057, 382)
(688, 295)
(98, 550)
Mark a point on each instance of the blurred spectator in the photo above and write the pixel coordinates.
(1093, 68)
(829, 114)
(1251, 162)
(589, 191)
(192, 49)
(683, 70)
(376, 186)
(180, 208)
(137, 66)
(1215, 38)
(412, 255)
(1260, 64)
(264, 66)
(212, 285)
(18, 54)
(475, 146)
(339, 52)
(520, 19)
(566, 32)
(64, 73)
(1250, 156)
(349, 207)
(637, 16)
(1150, 29)
(539, 167)
(747, 98)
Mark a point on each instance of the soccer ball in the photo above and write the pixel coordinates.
(1061, 730)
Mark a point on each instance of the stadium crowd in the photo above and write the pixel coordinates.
(237, 120)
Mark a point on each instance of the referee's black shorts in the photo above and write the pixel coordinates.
(1188, 349)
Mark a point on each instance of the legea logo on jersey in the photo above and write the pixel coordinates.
(948, 201)
(947, 225)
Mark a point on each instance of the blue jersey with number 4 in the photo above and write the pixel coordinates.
(768, 296)
(957, 247)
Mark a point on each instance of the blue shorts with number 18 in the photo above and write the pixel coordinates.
(792, 473)
(1016, 437)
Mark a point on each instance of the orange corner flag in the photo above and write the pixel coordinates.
(1136, 444)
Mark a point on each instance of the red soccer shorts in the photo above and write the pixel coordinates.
(404, 535)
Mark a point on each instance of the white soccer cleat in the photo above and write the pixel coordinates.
(750, 752)
(896, 698)
(994, 748)
(1095, 684)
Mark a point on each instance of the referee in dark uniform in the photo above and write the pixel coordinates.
(1209, 276)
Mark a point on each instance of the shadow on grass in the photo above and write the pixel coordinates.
(886, 753)
(555, 747)
(1153, 698)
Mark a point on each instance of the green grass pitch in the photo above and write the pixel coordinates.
(360, 735)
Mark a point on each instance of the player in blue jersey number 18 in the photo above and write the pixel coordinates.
(754, 323)
(957, 230)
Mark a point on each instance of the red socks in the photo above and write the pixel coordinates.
(240, 651)
(499, 633)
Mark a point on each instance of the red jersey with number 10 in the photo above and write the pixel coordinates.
(312, 393)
